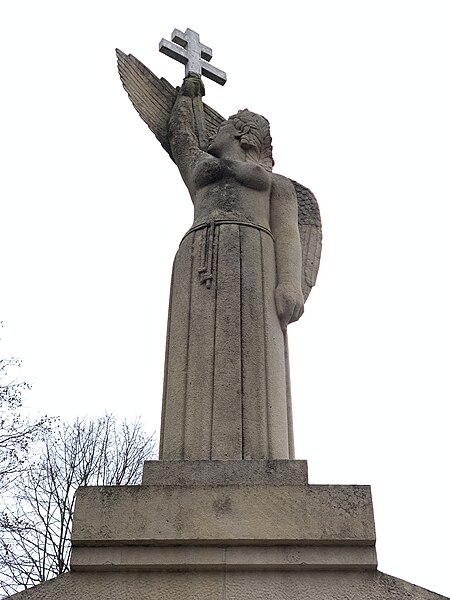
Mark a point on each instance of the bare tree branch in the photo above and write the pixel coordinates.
(16, 432)
(36, 526)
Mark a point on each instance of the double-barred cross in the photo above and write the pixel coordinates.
(187, 49)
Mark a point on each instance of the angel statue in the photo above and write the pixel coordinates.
(241, 274)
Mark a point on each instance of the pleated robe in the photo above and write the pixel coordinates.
(226, 382)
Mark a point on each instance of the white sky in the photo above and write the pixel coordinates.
(92, 211)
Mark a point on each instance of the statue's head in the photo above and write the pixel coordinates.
(253, 132)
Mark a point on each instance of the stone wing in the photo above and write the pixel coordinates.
(310, 227)
(153, 97)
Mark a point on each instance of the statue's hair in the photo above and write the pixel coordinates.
(254, 135)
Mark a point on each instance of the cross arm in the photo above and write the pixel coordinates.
(213, 73)
(175, 51)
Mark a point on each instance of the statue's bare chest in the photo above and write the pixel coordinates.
(211, 170)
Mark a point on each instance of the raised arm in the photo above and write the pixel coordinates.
(183, 140)
(284, 224)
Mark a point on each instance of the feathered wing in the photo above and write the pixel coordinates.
(310, 228)
(153, 98)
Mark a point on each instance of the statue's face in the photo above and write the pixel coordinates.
(226, 139)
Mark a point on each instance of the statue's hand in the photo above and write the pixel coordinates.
(289, 303)
(193, 86)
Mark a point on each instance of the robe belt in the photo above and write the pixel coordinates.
(209, 244)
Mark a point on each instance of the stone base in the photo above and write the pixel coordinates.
(224, 515)
(225, 530)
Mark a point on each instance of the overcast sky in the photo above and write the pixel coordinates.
(92, 211)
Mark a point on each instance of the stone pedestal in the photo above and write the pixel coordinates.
(225, 530)
(223, 516)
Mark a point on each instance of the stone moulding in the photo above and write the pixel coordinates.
(217, 558)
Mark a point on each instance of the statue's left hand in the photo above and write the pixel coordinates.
(193, 86)
(289, 303)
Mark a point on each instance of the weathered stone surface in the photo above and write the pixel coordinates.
(261, 585)
(224, 514)
(225, 472)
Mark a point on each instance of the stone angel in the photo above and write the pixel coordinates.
(241, 274)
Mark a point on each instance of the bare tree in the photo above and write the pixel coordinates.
(16, 432)
(37, 524)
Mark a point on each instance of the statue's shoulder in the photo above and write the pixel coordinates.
(283, 185)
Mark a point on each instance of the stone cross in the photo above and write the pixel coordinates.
(187, 49)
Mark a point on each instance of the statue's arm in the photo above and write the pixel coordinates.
(284, 224)
(183, 140)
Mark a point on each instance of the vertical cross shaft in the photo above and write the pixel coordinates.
(187, 49)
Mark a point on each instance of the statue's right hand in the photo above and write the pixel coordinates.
(193, 86)
(289, 303)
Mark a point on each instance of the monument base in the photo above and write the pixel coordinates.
(224, 515)
(225, 530)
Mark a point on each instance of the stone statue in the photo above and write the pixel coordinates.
(240, 276)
